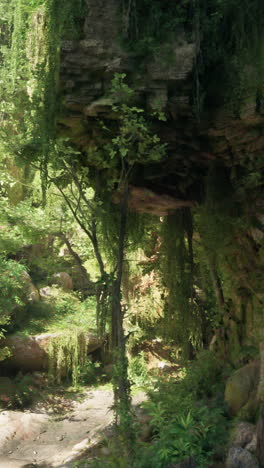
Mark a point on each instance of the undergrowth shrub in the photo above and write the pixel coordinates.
(204, 374)
(25, 391)
(188, 416)
(196, 432)
(188, 419)
(22, 396)
(137, 370)
(61, 311)
(89, 372)
(12, 283)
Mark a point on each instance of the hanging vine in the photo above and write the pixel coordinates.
(31, 63)
(67, 354)
(228, 36)
(181, 322)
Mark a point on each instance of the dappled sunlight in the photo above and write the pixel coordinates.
(131, 233)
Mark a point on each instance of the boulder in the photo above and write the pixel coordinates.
(31, 293)
(240, 458)
(260, 437)
(45, 293)
(63, 280)
(30, 353)
(252, 445)
(241, 387)
(243, 434)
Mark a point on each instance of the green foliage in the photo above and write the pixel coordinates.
(4, 351)
(137, 370)
(68, 305)
(204, 375)
(135, 141)
(224, 222)
(26, 224)
(194, 433)
(63, 311)
(231, 35)
(220, 214)
(24, 394)
(20, 226)
(122, 405)
(12, 282)
(109, 215)
(129, 139)
(18, 393)
(184, 421)
(30, 78)
(89, 372)
(227, 35)
(115, 459)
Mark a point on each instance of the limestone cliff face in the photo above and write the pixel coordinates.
(87, 68)
(230, 133)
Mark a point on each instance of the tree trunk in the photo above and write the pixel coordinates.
(120, 378)
(260, 396)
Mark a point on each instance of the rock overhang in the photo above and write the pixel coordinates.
(219, 134)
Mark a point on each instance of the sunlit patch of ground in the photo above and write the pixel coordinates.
(58, 430)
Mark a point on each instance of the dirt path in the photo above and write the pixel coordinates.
(35, 439)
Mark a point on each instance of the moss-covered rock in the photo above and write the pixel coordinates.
(241, 388)
(31, 353)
